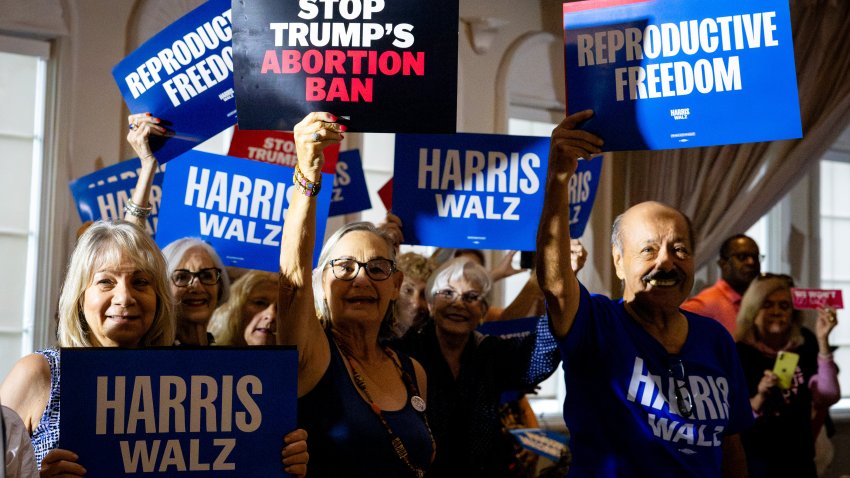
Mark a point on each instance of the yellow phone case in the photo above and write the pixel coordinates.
(784, 368)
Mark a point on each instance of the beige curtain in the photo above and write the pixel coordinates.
(726, 189)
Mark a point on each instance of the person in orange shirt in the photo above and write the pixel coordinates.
(740, 263)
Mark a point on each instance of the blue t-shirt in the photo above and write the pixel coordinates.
(619, 390)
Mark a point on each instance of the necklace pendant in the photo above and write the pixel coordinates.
(418, 403)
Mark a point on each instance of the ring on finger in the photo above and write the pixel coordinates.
(315, 136)
(132, 126)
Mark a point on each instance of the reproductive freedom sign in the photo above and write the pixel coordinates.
(663, 74)
(184, 76)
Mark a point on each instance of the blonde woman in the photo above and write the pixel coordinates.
(115, 295)
(781, 443)
(250, 316)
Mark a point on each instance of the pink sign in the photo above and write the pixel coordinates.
(814, 298)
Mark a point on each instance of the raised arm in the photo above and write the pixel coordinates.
(298, 324)
(142, 125)
(824, 384)
(554, 272)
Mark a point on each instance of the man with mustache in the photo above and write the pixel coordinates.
(651, 390)
(739, 264)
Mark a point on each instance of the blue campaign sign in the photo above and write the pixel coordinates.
(177, 411)
(184, 76)
(350, 193)
(103, 193)
(583, 186)
(234, 204)
(545, 443)
(480, 191)
(679, 74)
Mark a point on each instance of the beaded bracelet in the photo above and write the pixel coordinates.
(134, 209)
(304, 185)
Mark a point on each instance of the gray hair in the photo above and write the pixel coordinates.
(107, 242)
(322, 310)
(617, 230)
(175, 251)
(456, 269)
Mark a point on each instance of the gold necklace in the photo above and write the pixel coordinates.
(416, 401)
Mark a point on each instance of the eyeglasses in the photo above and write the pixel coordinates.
(183, 277)
(684, 401)
(377, 269)
(470, 297)
(743, 256)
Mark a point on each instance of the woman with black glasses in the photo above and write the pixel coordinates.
(198, 284)
(782, 441)
(362, 404)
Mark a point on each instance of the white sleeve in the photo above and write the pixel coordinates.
(20, 457)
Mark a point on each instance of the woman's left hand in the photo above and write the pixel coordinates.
(313, 134)
(294, 454)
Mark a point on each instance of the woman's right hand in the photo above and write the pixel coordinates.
(312, 135)
(60, 462)
(143, 125)
(768, 381)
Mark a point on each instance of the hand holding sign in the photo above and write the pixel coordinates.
(312, 135)
(827, 320)
(59, 461)
(570, 144)
(142, 126)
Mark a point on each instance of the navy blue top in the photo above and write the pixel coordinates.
(620, 390)
(464, 412)
(345, 438)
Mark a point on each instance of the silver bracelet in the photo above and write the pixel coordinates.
(134, 209)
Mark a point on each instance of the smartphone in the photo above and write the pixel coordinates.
(526, 259)
(784, 368)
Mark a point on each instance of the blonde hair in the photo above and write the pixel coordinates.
(415, 266)
(751, 303)
(226, 323)
(106, 242)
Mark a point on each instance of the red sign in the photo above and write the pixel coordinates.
(276, 147)
(386, 194)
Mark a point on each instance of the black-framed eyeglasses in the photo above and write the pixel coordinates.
(208, 276)
(377, 269)
(470, 297)
(684, 401)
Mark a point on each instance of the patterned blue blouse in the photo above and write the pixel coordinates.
(45, 437)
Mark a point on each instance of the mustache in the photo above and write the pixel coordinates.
(664, 275)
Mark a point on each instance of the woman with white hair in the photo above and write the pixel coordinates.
(468, 371)
(781, 442)
(362, 403)
(199, 283)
